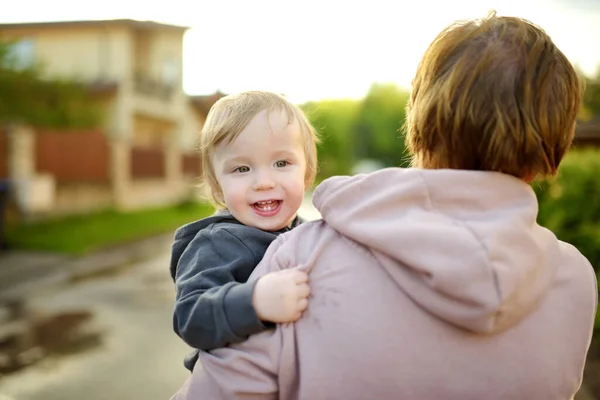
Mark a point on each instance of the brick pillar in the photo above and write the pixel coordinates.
(120, 172)
(174, 169)
(21, 153)
(32, 192)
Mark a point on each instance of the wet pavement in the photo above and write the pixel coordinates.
(135, 355)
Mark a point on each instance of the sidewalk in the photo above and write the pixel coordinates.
(22, 273)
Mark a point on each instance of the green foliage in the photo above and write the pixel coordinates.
(378, 132)
(591, 97)
(27, 96)
(352, 130)
(335, 121)
(570, 204)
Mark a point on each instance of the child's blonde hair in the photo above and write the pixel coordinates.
(494, 94)
(229, 116)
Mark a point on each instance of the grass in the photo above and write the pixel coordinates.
(78, 235)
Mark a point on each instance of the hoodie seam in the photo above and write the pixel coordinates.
(473, 233)
(238, 239)
(183, 233)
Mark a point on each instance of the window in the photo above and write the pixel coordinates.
(170, 72)
(23, 53)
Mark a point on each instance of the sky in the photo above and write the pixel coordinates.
(318, 49)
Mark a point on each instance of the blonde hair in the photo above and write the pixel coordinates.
(494, 94)
(229, 116)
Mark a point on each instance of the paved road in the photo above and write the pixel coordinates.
(140, 357)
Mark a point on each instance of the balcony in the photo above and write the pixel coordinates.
(150, 87)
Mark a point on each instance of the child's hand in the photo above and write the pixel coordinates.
(281, 296)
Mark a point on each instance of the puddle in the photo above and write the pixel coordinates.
(28, 336)
(92, 274)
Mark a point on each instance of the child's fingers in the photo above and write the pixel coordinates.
(300, 276)
(303, 290)
(302, 304)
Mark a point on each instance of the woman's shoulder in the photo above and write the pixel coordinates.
(573, 260)
(576, 274)
(307, 241)
(306, 231)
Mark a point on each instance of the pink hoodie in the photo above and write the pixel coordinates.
(426, 284)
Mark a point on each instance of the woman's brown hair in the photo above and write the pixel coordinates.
(494, 94)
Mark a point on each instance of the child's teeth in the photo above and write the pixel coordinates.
(267, 205)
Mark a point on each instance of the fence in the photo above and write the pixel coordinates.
(147, 162)
(190, 165)
(73, 156)
(588, 134)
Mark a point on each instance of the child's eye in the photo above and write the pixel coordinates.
(242, 169)
(281, 164)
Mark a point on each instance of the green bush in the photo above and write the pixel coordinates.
(570, 204)
(29, 96)
(355, 130)
(335, 121)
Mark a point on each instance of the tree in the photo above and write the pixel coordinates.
(335, 121)
(353, 130)
(378, 130)
(591, 97)
(28, 96)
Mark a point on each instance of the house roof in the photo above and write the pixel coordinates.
(588, 129)
(205, 102)
(59, 24)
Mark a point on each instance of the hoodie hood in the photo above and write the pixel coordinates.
(463, 245)
(187, 233)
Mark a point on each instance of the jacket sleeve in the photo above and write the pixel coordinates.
(212, 309)
(247, 370)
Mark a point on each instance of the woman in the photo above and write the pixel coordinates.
(436, 282)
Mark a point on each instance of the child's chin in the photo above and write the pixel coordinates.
(273, 225)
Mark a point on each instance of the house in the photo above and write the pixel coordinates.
(149, 131)
(587, 134)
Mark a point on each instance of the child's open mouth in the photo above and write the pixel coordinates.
(267, 208)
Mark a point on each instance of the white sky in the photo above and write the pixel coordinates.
(315, 49)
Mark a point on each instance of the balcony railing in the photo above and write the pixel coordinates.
(147, 86)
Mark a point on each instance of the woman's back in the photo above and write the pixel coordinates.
(434, 289)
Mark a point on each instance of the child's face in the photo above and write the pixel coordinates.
(261, 173)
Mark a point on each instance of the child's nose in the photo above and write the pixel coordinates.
(263, 181)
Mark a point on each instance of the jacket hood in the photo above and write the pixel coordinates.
(187, 233)
(463, 245)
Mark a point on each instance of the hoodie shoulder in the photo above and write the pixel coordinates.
(300, 247)
(192, 228)
(186, 234)
(576, 268)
